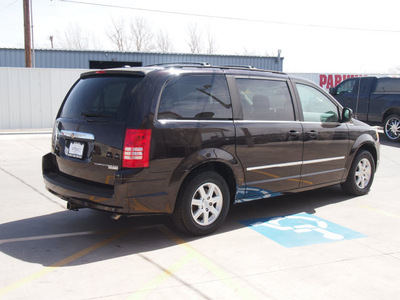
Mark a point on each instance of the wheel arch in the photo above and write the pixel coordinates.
(361, 174)
(364, 142)
(215, 160)
(371, 149)
(218, 167)
(390, 111)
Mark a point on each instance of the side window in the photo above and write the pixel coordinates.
(346, 86)
(388, 85)
(316, 106)
(265, 100)
(196, 97)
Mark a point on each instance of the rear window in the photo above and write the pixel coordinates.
(105, 97)
(388, 85)
(196, 97)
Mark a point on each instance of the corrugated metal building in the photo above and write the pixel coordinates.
(105, 59)
(30, 97)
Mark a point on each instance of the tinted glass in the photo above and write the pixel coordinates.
(100, 97)
(388, 85)
(346, 86)
(265, 100)
(316, 106)
(196, 97)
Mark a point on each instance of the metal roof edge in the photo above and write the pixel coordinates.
(150, 53)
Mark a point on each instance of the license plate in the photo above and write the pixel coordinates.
(75, 149)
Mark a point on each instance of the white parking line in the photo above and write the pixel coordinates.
(49, 236)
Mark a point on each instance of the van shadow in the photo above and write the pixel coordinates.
(82, 237)
(92, 236)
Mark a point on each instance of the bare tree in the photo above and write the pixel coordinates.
(75, 38)
(195, 39)
(395, 70)
(118, 35)
(211, 44)
(142, 35)
(247, 52)
(164, 43)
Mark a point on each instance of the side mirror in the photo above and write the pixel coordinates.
(332, 91)
(347, 114)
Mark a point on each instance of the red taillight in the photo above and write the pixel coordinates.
(136, 151)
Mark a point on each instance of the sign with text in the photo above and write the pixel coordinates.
(326, 80)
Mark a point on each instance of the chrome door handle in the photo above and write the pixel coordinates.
(293, 133)
(312, 134)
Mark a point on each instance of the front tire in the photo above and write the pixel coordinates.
(392, 128)
(361, 175)
(202, 204)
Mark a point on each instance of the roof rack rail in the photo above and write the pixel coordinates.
(238, 66)
(207, 65)
(250, 68)
(183, 64)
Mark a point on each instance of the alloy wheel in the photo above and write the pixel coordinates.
(392, 128)
(363, 173)
(206, 204)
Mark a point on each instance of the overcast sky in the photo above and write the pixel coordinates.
(315, 36)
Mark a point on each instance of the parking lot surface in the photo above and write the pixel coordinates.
(314, 245)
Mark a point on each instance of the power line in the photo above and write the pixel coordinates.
(7, 6)
(231, 18)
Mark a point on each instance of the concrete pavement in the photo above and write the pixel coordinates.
(47, 251)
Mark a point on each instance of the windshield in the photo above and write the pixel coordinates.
(101, 97)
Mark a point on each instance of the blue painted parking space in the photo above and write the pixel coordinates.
(301, 230)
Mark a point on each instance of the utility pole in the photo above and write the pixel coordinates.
(27, 34)
(33, 43)
(51, 38)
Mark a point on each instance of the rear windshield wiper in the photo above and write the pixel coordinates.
(96, 115)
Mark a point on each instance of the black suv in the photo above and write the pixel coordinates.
(191, 140)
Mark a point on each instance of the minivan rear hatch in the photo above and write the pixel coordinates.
(90, 128)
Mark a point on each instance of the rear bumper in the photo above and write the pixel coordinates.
(128, 195)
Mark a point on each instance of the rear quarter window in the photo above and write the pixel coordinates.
(388, 85)
(195, 97)
(100, 97)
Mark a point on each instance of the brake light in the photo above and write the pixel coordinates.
(136, 152)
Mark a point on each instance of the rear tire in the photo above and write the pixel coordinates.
(392, 128)
(361, 174)
(202, 204)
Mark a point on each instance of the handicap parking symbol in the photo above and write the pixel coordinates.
(301, 230)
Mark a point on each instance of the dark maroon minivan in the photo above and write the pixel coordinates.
(190, 140)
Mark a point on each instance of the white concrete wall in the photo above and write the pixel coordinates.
(30, 98)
